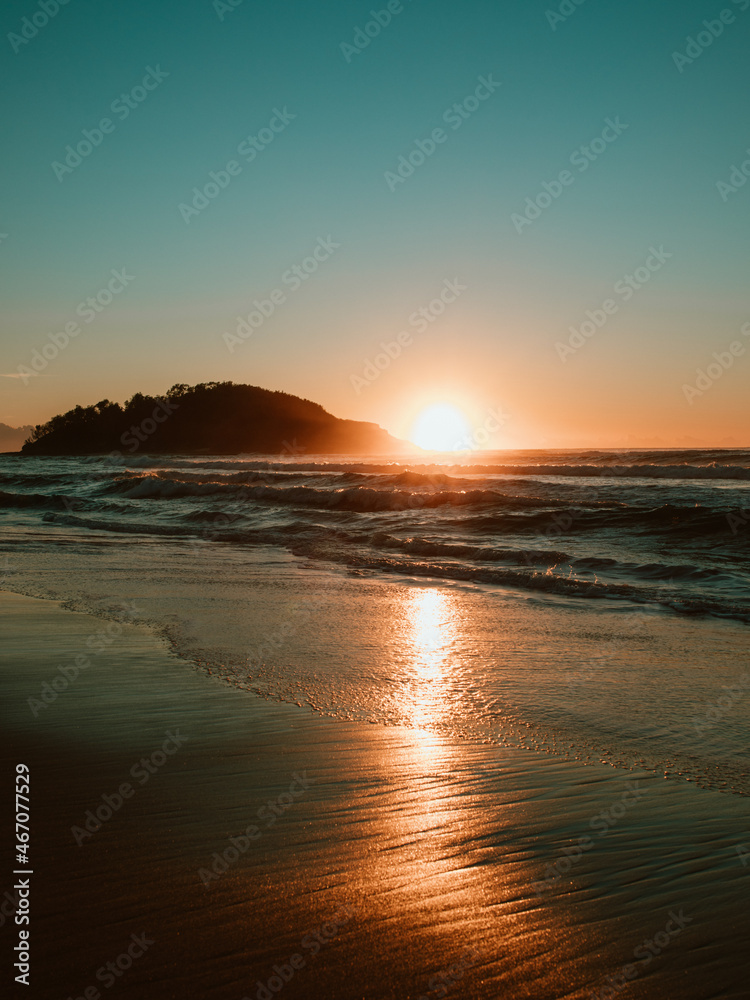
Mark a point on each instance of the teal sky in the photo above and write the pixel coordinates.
(323, 176)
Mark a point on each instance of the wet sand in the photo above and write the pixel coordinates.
(419, 865)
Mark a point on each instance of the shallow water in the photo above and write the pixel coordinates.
(592, 605)
(438, 844)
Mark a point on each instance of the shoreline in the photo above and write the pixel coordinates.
(439, 844)
(426, 653)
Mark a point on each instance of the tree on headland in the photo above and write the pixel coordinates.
(210, 418)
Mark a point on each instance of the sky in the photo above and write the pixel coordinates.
(632, 115)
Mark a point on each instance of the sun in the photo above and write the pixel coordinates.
(441, 427)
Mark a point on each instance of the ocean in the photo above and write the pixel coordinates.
(592, 604)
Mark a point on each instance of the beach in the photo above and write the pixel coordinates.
(375, 502)
(344, 729)
(420, 864)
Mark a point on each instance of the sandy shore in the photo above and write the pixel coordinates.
(367, 861)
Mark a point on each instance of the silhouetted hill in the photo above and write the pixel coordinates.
(219, 418)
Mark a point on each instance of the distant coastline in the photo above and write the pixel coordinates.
(12, 438)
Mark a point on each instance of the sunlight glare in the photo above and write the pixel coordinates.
(441, 427)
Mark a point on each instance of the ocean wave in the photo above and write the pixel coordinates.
(541, 571)
(473, 553)
(673, 468)
(667, 519)
(355, 498)
(487, 511)
(652, 540)
(564, 586)
(546, 557)
(645, 471)
(696, 465)
(492, 510)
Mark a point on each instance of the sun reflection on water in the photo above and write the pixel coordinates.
(430, 632)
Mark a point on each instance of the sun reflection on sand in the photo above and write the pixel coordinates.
(430, 632)
(440, 815)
